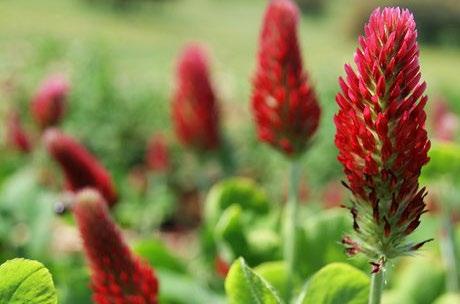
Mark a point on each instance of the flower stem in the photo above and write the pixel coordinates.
(375, 293)
(450, 253)
(290, 225)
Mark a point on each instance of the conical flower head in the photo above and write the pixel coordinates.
(16, 136)
(81, 168)
(381, 135)
(195, 111)
(284, 103)
(117, 275)
(48, 105)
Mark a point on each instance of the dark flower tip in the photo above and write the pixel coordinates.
(81, 169)
(49, 104)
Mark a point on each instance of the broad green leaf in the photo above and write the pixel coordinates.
(275, 273)
(265, 244)
(25, 281)
(180, 288)
(337, 283)
(420, 271)
(240, 191)
(321, 244)
(243, 285)
(156, 253)
(229, 231)
(449, 298)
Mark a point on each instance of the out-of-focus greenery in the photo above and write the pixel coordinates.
(438, 22)
(121, 66)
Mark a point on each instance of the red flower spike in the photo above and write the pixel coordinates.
(157, 156)
(48, 105)
(16, 136)
(195, 111)
(381, 134)
(117, 276)
(284, 104)
(81, 169)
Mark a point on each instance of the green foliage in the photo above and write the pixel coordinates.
(448, 298)
(438, 22)
(25, 214)
(321, 245)
(444, 163)
(25, 281)
(312, 7)
(243, 285)
(156, 253)
(420, 271)
(240, 221)
(178, 288)
(275, 273)
(337, 283)
(240, 191)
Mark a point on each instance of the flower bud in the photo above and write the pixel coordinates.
(81, 169)
(195, 111)
(48, 105)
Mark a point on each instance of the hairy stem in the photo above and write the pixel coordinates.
(375, 293)
(450, 253)
(290, 225)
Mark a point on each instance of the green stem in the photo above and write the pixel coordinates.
(290, 225)
(375, 293)
(449, 253)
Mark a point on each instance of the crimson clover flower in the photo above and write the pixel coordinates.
(381, 136)
(195, 110)
(48, 105)
(284, 104)
(81, 169)
(117, 275)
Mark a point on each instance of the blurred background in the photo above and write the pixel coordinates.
(119, 57)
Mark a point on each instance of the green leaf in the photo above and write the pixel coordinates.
(241, 191)
(180, 288)
(25, 281)
(245, 286)
(229, 233)
(323, 232)
(444, 162)
(420, 271)
(337, 283)
(448, 298)
(158, 255)
(275, 273)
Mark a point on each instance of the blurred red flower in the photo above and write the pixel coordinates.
(195, 110)
(117, 275)
(48, 105)
(284, 104)
(444, 122)
(381, 133)
(17, 138)
(157, 156)
(81, 169)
